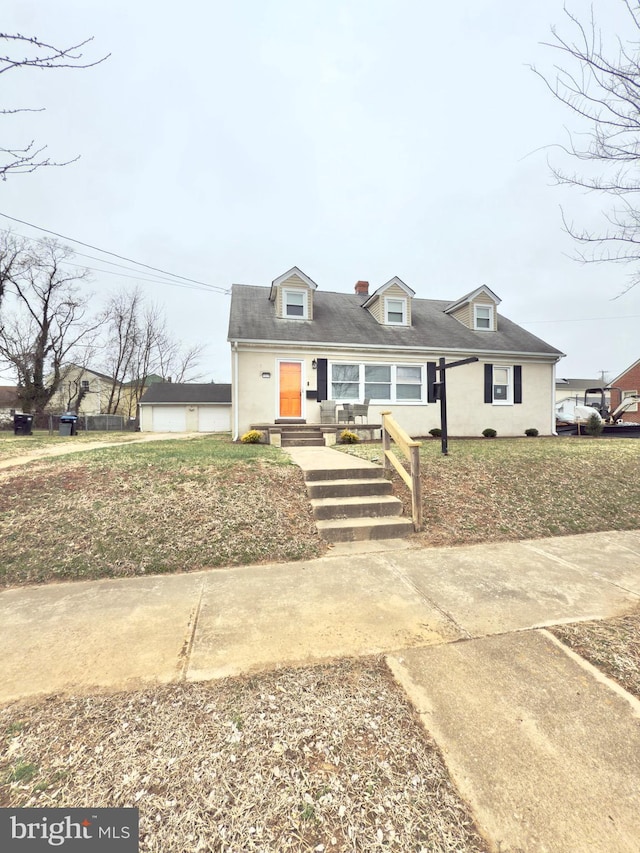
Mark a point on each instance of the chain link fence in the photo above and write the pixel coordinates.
(85, 423)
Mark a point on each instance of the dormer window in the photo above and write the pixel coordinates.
(295, 304)
(483, 317)
(395, 312)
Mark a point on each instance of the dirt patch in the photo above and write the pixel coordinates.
(326, 758)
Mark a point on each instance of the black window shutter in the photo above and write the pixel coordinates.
(488, 383)
(431, 378)
(322, 379)
(517, 383)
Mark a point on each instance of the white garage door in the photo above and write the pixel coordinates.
(169, 419)
(214, 418)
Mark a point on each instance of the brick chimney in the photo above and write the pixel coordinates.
(362, 288)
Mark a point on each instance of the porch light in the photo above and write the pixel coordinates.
(314, 364)
(266, 375)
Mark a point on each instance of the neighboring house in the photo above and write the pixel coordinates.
(625, 385)
(94, 387)
(293, 346)
(186, 407)
(574, 389)
(9, 404)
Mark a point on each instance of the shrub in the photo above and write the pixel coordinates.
(348, 437)
(254, 436)
(436, 432)
(531, 432)
(594, 425)
(489, 433)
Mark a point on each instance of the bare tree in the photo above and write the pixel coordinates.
(138, 343)
(32, 52)
(599, 81)
(47, 323)
(122, 317)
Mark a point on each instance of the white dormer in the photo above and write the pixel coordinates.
(292, 293)
(390, 304)
(477, 310)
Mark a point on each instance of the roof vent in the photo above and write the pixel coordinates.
(362, 287)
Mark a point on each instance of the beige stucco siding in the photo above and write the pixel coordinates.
(468, 414)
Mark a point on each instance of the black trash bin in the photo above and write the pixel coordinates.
(68, 424)
(22, 424)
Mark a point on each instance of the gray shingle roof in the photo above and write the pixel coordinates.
(187, 393)
(338, 318)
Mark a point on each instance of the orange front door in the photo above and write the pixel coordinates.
(290, 389)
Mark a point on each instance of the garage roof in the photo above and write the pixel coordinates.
(188, 393)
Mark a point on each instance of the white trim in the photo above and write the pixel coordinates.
(393, 382)
(394, 281)
(509, 400)
(305, 303)
(469, 297)
(492, 317)
(324, 345)
(235, 396)
(303, 385)
(294, 271)
(403, 302)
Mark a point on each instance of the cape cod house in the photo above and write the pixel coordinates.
(294, 346)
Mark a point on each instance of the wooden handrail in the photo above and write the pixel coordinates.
(391, 429)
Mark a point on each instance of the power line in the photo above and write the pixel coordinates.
(205, 284)
(141, 276)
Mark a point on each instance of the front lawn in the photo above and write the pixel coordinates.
(164, 506)
(500, 490)
(22, 445)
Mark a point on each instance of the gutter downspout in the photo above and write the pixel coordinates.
(234, 392)
(553, 397)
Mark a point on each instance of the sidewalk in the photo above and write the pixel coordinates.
(545, 749)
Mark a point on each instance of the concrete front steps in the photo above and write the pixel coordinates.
(355, 504)
(301, 435)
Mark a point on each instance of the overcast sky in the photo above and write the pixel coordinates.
(228, 142)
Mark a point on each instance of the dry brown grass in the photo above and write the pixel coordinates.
(151, 508)
(326, 758)
(613, 645)
(505, 490)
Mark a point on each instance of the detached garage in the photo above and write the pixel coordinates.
(186, 407)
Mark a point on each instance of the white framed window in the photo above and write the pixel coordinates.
(345, 382)
(502, 387)
(632, 407)
(395, 311)
(295, 304)
(483, 318)
(379, 383)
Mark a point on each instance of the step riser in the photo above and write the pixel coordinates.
(381, 510)
(302, 442)
(342, 473)
(348, 490)
(392, 530)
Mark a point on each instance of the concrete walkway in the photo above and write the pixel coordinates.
(544, 748)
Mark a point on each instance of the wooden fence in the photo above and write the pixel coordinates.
(411, 449)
